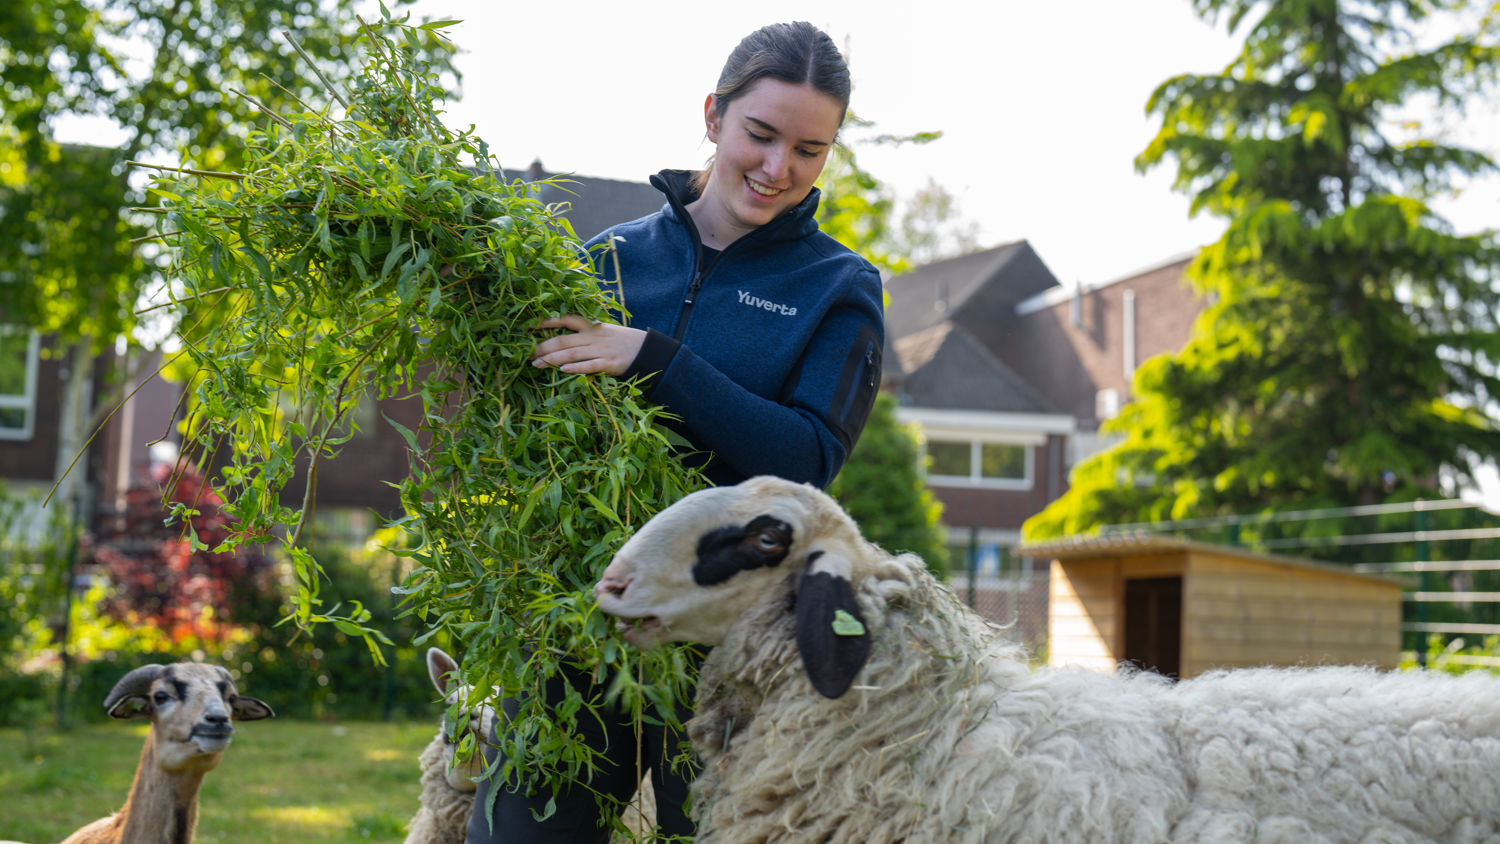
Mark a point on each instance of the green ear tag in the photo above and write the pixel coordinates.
(845, 624)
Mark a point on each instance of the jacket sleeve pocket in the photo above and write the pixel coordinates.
(858, 383)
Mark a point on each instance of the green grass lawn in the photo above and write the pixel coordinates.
(281, 781)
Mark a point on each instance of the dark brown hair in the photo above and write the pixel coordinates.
(798, 53)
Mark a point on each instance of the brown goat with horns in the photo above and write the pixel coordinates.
(190, 706)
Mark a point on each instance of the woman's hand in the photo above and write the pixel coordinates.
(592, 347)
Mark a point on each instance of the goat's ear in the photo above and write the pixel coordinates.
(250, 709)
(831, 633)
(131, 706)
(130, 698)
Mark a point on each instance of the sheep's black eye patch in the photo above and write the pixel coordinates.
(726, 551)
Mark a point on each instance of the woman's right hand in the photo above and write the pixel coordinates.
(590, 347)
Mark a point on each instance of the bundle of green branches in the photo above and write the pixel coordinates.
(380, 255)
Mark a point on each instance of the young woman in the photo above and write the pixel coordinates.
(761, 334)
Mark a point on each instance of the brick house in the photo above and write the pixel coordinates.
(32, 375)
(1009, 375)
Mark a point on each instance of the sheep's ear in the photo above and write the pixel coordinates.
(442, 668)
(831, 633)
(250, 709)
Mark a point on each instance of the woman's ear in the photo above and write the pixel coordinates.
(831, 634)
(711, 117)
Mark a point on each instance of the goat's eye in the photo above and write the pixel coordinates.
(161, 697)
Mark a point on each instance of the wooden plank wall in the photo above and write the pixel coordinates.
(1241, 613)
(1237, 612)
(1082, 614)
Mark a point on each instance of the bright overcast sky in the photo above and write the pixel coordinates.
(1041, 104)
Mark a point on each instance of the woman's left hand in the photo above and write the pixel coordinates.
(592, 347)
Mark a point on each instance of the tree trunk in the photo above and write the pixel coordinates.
(72, 465)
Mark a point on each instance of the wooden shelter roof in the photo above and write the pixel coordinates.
(1137, 544)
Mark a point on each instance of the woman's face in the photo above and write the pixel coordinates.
(772, 142)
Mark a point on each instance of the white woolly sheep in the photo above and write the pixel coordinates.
(448, 789)
(850, 697)
(190, 706)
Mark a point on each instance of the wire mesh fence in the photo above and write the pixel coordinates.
(1010, 593)
(1445, 553)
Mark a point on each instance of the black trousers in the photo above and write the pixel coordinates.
(577, 818)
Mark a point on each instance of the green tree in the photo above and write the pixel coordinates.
(856, 208)
(1348, 352)
(178, 80)
(884, 487)
(930, 228)
(891, 232)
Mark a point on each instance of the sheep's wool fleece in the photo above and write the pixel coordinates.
(444, 816)
(947, 736)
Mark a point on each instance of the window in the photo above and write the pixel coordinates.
(978, 463)
(19, 350)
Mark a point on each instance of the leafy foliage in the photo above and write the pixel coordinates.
(379, 254)
(1349, 350)
(169, 75)
(1458, 656)
(884, 489)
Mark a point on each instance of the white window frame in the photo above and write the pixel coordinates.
(974, 479)
(26, 400)
(1029, 430)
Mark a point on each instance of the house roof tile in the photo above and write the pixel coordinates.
(944, 367)
(977, 286)
(593, 203)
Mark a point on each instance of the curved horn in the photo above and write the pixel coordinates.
(134, 683)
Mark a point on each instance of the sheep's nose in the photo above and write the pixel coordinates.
(608, 585)
(216, 718)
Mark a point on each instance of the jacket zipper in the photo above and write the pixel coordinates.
(699, 273)
(692, 295)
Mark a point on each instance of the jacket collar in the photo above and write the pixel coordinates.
(795, 224)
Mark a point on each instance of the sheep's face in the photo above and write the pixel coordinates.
(190, 706)
(696, 568)
(443, 670)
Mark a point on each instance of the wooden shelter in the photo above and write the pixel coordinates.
(1181, 607)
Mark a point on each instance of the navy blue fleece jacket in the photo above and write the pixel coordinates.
(769, 355)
